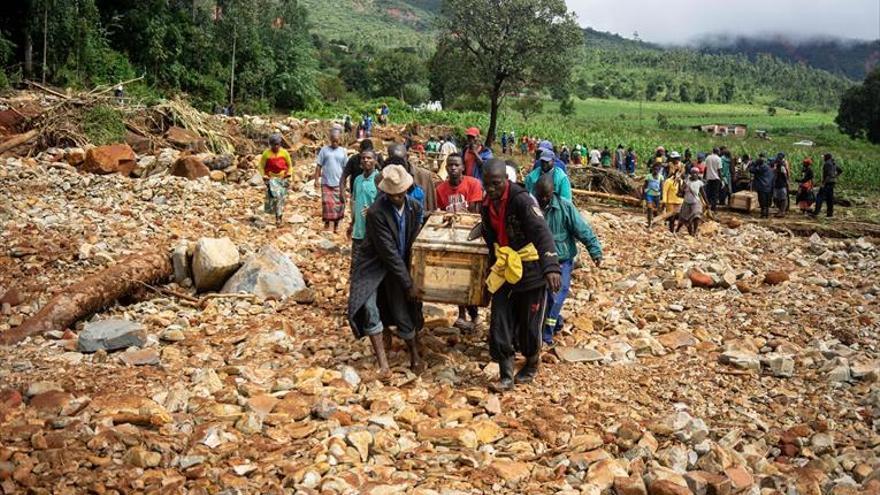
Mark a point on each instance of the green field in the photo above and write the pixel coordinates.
(599, 122)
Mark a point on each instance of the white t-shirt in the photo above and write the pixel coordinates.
(595, 155)
(713, 167)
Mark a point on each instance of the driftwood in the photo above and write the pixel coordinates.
(601, 195)
(94, 293)
(18, 140)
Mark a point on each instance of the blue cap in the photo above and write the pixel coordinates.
(545, 145)
(547, 155)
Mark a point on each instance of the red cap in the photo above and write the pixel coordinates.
(473, 131)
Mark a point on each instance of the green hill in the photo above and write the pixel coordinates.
(381, 23)
(612, 66)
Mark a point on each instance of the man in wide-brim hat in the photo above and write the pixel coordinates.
(382, 294)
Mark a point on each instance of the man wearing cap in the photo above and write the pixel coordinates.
(381, 291)
(475, 154)
(524, 265)
(561, 182)
(547, 145)
(275, 168)
(328, 179)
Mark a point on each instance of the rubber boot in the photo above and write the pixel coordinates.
(529, 370)
(506, 371)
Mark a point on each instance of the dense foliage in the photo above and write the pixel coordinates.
(178, 45)
(859, 113)
(849, 58)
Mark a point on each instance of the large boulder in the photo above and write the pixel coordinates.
(110, 159)
(184, 139)
(111, 335)
(189, 167)
(140, 144)
(268, 274)
(214, 261)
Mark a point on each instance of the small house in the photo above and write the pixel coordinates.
(736, 130)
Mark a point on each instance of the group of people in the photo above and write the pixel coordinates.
(530, 228)
(365, 125)
(682, 186)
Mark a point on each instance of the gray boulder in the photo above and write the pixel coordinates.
(214, 261)
(269, 274)
(111, 335)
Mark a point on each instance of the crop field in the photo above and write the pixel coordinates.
(598, 122)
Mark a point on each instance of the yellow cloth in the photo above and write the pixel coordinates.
(670, 192)
(508, 265)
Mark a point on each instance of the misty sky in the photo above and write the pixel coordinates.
(679, 21)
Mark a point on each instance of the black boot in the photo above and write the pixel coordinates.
(529, 370)
(506, 382)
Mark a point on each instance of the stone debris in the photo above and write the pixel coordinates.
(214, 261)
(681, 369)
(110, 335)
(268, 274)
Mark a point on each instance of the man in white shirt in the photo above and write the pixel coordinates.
(713, 178)
(595, 156)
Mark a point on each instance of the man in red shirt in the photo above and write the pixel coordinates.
(460, 194)
(475, 154)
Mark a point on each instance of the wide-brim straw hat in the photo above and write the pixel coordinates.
(395, 180)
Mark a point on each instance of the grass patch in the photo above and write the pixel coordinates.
(103, 125)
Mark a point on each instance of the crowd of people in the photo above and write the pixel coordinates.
(531, 229)
(530, 226)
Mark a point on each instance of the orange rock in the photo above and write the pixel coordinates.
(110, 159)
(189, 167)
(700, 279)
(664, 487)
(775, 277)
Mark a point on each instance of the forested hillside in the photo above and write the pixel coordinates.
(285, 54)
(616, 67)
(850, 58)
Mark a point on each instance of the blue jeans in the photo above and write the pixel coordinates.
(553, 320)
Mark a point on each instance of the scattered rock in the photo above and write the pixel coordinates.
(110, 159)
(741, 359)
(268, 275)
(111, 335)
(775, 277)
(578, 354)
(189, 167)
(214, 261)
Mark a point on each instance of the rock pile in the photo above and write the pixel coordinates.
(660, 384)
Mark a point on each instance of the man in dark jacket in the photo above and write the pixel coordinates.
(381, 292)
(524, 265)
(763, 184)
(830, 172)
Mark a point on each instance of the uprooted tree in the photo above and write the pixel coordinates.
(504, 46)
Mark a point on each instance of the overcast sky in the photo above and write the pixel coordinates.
(679, 21)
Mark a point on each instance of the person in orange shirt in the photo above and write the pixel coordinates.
(275, 167)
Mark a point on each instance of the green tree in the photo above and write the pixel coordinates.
(728, 91)
(528, 105)
(701, 94)
(566, 107)
(393, 69)
(684, 92)
(859, 112)
(505, 47)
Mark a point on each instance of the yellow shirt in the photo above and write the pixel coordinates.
(276, 164)
(670, 192)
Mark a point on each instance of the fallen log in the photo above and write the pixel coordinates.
(18, 140)
(93, 294)
(601, 195)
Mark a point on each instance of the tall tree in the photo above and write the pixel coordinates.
(859, 112)
(505, 46)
